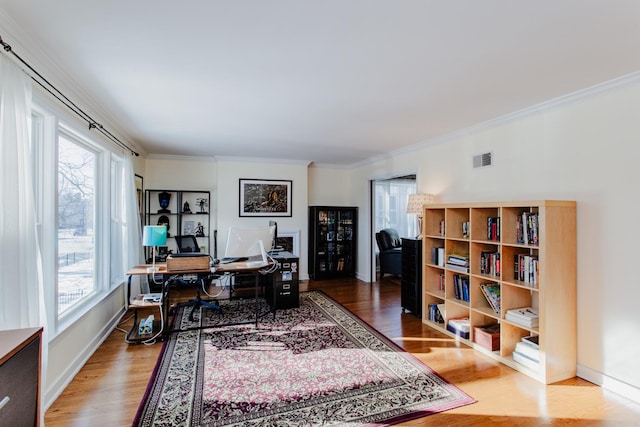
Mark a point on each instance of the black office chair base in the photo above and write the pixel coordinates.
(197, 304)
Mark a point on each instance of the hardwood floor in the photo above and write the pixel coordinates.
(108, 389)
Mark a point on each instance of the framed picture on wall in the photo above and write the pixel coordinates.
(265, 197)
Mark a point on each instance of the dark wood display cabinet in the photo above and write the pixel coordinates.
(332, 241)
(411, 278)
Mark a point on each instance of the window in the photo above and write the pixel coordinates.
(76, 222)
(80, 213)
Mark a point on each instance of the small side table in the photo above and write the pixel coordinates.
(141, 301)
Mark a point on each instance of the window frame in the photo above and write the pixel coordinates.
(48, 123)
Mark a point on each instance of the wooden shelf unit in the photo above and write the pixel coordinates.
(554, 294)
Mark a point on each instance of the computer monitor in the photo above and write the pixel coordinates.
(248, 242)
(274, 224)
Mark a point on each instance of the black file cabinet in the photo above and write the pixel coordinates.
(411, 281)
(282, 287)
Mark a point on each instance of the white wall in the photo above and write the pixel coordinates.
(229, 173)
(330, 187)
(585, 150)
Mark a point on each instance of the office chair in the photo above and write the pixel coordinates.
(189, 244)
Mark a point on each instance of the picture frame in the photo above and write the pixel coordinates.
(139, 192)
(265, 197)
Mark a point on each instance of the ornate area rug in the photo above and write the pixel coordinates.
(314, 365)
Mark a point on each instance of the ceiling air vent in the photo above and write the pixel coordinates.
(482, 160)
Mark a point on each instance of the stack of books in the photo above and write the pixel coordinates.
(527, 352)
(458, 262)
(525, 316)
(460, 327)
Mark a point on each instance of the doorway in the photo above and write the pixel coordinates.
(389, 210)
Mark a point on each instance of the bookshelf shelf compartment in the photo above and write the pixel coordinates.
(540, 235)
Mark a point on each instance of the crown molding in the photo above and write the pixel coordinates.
(542, 107)
(262, 160)
(181, 158)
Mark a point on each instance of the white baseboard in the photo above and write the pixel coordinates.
(56, 389)
(611, 384)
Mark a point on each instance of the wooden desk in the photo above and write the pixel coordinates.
(168, 275)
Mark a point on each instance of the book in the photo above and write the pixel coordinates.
(524, 316)
(524, 360)
(458, 268)
(528, 351)
(532, 340)
(491, 292)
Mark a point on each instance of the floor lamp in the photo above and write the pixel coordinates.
(154, 235)
(415, 205)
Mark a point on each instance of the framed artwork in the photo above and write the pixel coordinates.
(265, 197)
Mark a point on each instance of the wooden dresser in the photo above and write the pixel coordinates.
(20, 377)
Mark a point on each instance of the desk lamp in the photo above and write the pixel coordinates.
(154, 235)
(415, 205)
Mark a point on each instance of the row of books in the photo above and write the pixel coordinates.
(493, 228)
(490, 263)
(491, 292)
(466, 229)
(527, 352)
(527, 228)
(461, 287)
(437, 256)
(526, 269)
(524, 316)
(435, 313)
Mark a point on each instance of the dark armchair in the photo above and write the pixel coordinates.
(390, 247)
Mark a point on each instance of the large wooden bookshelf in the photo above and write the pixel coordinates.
(553, 293)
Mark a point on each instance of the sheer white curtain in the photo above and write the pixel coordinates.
(391, 206)
(21, 284)
(21, 287)
(132, 249)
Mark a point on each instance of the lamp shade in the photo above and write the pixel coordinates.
(417, 201)
(154, 235)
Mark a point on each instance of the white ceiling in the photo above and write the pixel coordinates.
(333, 81)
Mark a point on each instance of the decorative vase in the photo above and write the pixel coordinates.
(163, 199)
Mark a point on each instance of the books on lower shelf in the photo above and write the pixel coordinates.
(435, 313)
(460, 327)
(527, 352)
(491, 292)
(524, 316)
